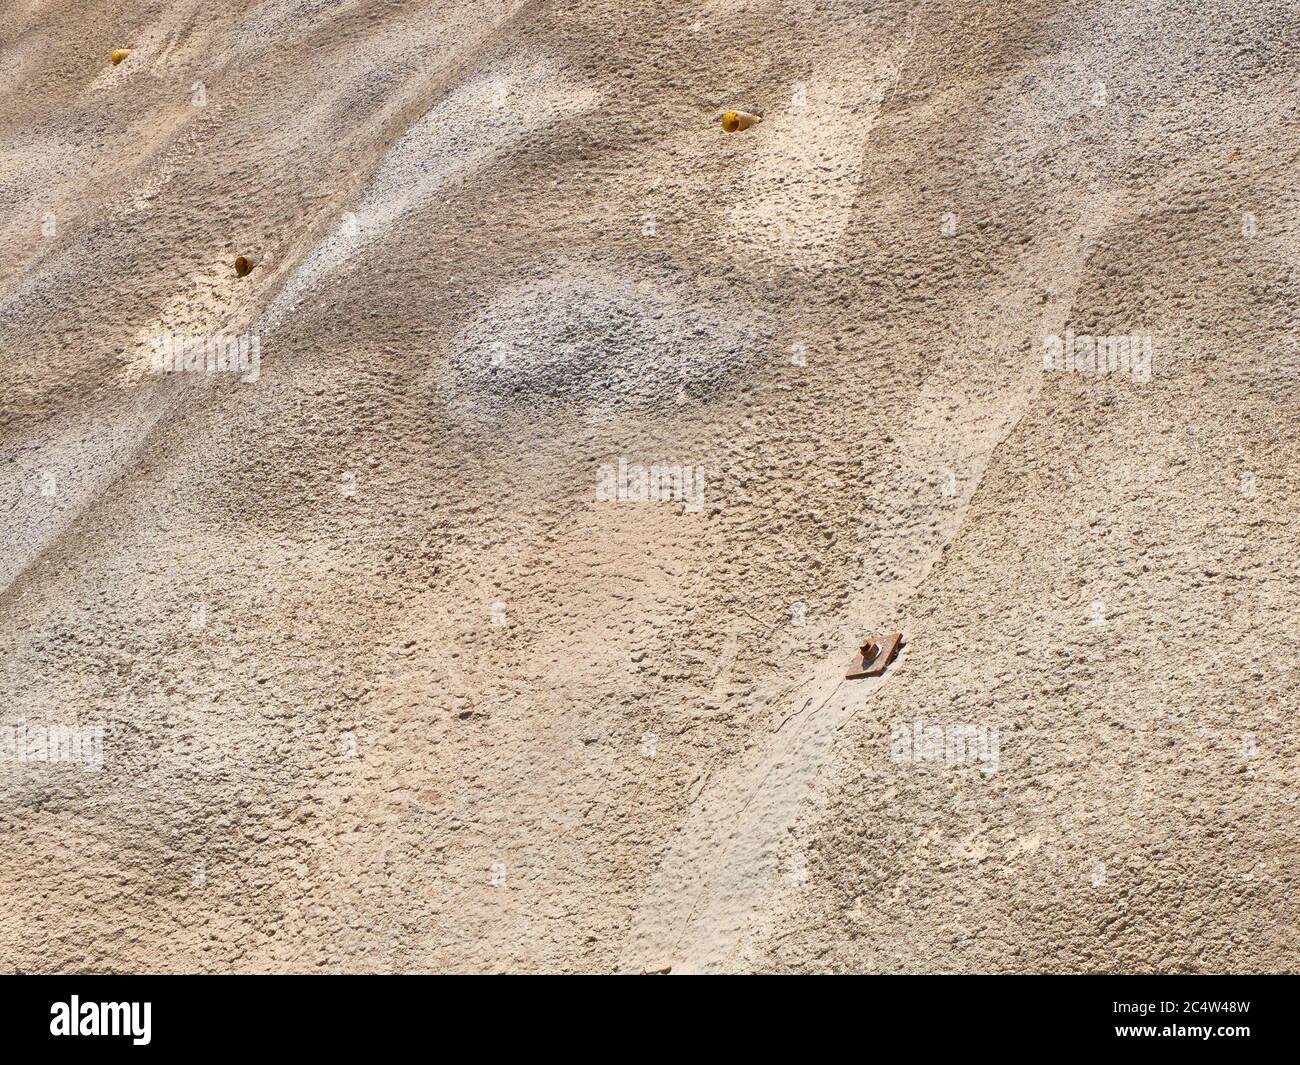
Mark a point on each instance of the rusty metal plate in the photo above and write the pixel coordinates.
(875, 655)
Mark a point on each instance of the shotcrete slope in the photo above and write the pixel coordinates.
(389, 684)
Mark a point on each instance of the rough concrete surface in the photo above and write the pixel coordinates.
(494, 616)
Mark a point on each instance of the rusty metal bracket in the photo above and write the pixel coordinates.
(875, 655)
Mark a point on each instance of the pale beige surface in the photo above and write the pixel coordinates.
(388, 687)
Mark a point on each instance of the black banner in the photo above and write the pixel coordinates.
(93, 1015)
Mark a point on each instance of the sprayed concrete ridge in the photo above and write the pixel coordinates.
(466, 580)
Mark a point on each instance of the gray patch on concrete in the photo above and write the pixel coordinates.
(589, 341)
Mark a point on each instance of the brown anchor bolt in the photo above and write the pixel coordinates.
(874, 656)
